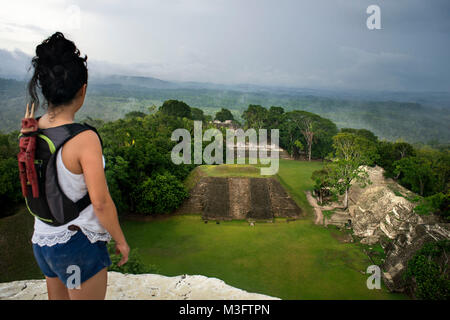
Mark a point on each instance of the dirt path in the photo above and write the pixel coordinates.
(312, 201)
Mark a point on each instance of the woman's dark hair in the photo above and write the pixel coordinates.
(59, 71)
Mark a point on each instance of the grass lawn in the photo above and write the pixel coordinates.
(232, 170)
(295, 177)
(295, 260)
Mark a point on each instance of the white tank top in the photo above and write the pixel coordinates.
(74, 187)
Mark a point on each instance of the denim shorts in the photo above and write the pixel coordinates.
(56, 260)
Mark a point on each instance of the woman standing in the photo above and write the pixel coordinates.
(80, 245)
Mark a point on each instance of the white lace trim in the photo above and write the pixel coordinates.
(42, 239)
(96, 236)
(52, 239)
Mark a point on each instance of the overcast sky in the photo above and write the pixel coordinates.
(313, 44)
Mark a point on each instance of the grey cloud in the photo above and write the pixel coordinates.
(285, 42)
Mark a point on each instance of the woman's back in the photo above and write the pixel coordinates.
(74, 187)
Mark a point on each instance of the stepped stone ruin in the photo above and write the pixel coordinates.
(382, 208)
(253, 199)
(142, 287)
(382, 213)
(403, 248)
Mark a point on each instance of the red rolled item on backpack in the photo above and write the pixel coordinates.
(22, 173)
(25, 158)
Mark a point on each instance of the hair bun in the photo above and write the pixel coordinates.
(56, 50)
(59, 69)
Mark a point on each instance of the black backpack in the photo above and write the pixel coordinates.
(53, 206)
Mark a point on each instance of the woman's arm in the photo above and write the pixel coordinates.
(92, 165)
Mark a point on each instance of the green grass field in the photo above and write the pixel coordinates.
(295, 260)
(295, 177)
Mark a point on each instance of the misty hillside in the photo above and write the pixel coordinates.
(425, 118)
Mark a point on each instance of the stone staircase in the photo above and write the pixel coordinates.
(260, 199)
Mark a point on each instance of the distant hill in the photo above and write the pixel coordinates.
(133, 81)
(419, 117)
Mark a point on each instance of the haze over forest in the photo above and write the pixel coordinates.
(315, 56)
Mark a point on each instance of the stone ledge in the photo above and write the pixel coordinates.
(142, 287)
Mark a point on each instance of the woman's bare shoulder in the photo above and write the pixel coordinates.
(89, 136)
(86, 140)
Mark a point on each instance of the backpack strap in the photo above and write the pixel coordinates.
(61, 207)
(83, 203)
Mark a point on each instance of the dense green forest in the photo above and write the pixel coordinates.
(390, 120)
(408, 140)
(143, 179)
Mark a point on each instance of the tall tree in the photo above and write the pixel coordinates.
(322, 181)
(274, 117)
(176, 108)
(403, 149)
(306, 123)
(255, 117)
(224, 114)
(197, 114)
(288, 135)
(369, 135)
(351, 152)
(390, 152)
(416, 173)
(323, 132)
